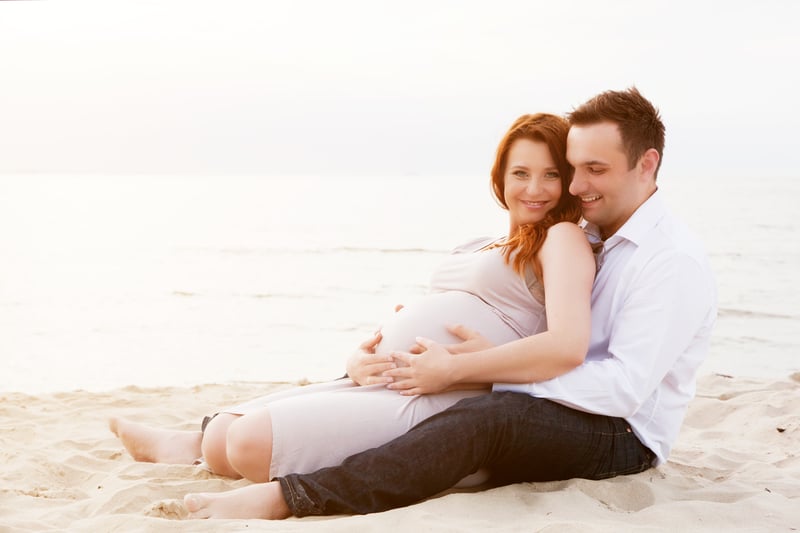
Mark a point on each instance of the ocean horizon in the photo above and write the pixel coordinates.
(112, 281)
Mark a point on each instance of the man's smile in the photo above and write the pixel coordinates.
(591, 198)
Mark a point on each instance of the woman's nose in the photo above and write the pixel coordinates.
(534, 184)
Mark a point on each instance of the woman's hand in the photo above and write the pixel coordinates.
(365, 367)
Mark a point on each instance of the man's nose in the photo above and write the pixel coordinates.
(577, 184)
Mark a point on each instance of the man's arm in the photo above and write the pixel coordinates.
(662, 313)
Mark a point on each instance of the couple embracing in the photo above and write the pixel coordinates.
(575, 349)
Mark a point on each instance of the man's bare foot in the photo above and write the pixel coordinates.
(260, 500)
(155, 445)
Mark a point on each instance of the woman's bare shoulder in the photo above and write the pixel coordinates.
(566, 230)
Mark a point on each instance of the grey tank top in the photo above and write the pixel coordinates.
(475, 287)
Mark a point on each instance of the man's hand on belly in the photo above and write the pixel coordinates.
(473, 341)
(429, 367)
(427, 373)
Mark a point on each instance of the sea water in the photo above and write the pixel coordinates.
(108, 281)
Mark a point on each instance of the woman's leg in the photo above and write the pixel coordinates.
(155, 445)
(249, 445)
(310, 432)
(238, 441)
(214, 445)
(232, 445)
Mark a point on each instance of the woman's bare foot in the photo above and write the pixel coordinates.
(260, 500)
(155, 445)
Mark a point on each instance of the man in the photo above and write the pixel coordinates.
(653, 308)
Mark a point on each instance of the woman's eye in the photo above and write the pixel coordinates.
(552, 175)
(520, 174)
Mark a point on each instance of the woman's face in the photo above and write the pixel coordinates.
(531, 183)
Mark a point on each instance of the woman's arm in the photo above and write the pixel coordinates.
(568, 270)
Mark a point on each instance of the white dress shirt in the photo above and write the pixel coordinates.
(654, 304)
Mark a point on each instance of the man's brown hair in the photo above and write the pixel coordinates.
(638, 120)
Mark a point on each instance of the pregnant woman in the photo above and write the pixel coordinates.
(494, 286)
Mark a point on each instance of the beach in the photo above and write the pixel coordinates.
(735, 467)
(202, 203)
(162, 299)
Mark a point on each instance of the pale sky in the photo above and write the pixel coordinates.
(373, 88)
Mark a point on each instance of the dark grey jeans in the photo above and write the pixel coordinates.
(516, 436)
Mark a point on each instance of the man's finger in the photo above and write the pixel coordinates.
(378, 380)
(462, 332)
(424, 342)
(416, 349)
(403, 386)
(400, 385)
(374, 358)
(375, 369)
(399, 373)
(403, 357)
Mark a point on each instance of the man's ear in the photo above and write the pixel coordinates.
(648, 163)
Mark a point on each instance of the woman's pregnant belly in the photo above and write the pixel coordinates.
(430, 315)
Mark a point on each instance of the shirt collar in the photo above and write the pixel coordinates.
(640, 222)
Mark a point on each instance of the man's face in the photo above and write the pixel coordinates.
(609, 191)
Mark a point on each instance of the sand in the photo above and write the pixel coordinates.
(736, 466)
